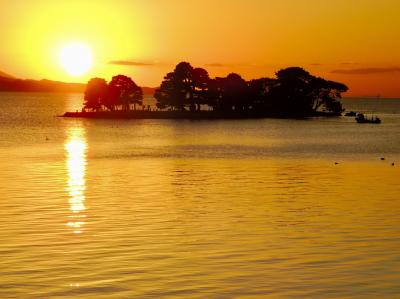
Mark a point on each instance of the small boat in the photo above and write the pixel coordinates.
(362, 119)
(351, 113)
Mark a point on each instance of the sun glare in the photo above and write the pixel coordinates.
(76, 59)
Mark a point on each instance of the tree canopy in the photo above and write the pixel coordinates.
(120, 93)
(294, 92)
(95, 93)
(126, 92)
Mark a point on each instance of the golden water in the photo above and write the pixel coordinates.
(167, 209)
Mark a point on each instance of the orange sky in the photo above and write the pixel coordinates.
(352, 41)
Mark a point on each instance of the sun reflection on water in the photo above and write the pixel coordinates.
(75, 148)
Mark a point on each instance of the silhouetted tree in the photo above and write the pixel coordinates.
(167, 93)
(213, 93)
(291, 95)
(112, 99)
(298, 93)
(259, 90)
(183, 83)
(95, 94)
(327, 94)
(201, 80)
(177, 88)
(235, 94)
(229, 93)
(127, 90)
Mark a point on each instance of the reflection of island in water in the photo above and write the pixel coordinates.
(189, 92)
(75, 148)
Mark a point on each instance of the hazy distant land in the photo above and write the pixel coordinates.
(12, 84)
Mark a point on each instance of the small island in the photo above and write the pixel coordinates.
(189, 93)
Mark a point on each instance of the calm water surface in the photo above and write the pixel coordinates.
(197, 209)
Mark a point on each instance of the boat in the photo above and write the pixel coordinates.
(362, 119)
(351, 113)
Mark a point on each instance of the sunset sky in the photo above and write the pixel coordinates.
(353, 41)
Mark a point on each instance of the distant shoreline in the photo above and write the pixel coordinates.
(145, 114)
(11, 84)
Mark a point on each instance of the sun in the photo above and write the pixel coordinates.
(76, 59)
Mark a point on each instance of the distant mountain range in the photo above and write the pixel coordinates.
(13, 84)
(10, 83)
(5, 75)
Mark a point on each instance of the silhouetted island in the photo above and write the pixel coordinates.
(190, 93)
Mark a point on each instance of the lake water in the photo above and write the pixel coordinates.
(197, 209)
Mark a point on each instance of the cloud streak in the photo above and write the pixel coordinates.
(130, 63)
(348, 63)
(215, 65)
(367, 71)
